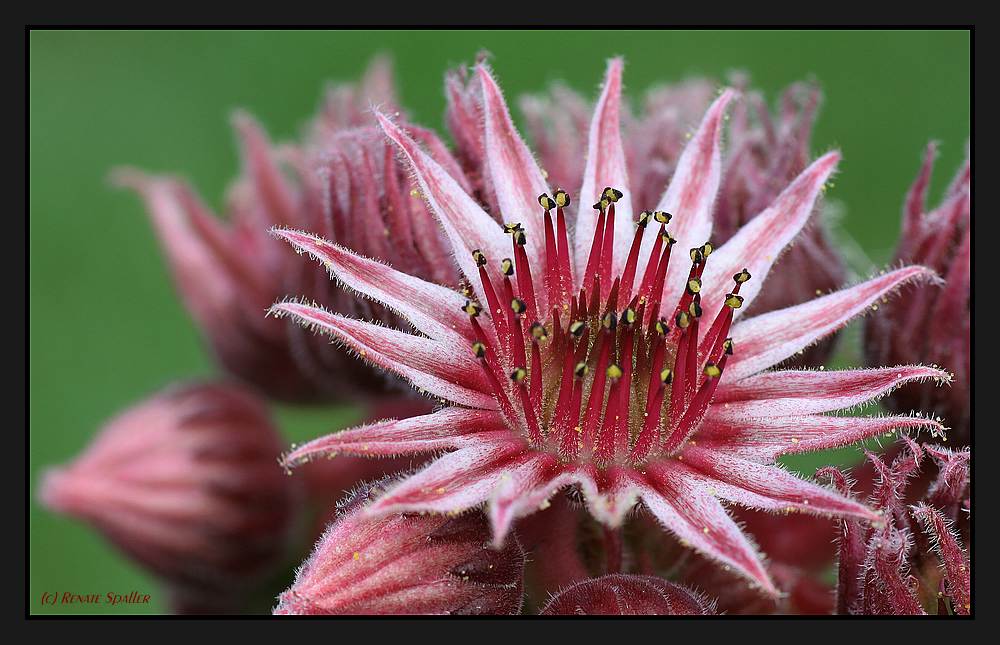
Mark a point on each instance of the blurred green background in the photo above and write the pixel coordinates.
(105, 326)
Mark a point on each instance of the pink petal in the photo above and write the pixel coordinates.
(431, 308)
(456, 481)
(764, 439)
(682, 503)
(524, 490)
(787, 392)
(760, 242)
(468, 227)
(770, 338)
(690, 196)
(956, 562)
(516, 176)
(445, 429)
(767, 487)
(439, 369)
(269, 182)
(605, 167)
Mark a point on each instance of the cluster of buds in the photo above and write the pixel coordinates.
(913, 561)
(933, 326)
(343, 181)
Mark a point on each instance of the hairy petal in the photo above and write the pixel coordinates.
(445, 429)
(440, 369)
(431, 308)
(770, 338)
(767, 487)
(467, 225)
(787, 392)
(605, 167)
(680, 500)
(692, 191)
(761, 241)
(764, 439)
(516, 175)
(457, 481)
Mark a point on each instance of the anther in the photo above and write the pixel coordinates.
(512, 228)
(614, 372)
(507, 267)
(661, 327)
(694, 285)
(479, 350)
(546, 202)
(663, 217)
(712, 370)
(727, 346)
(538, 331)
(611, 194)
(577, 327)
(480, 259)
(517, 306)
(707, 248)
(668, 239)
(683, 320)
(610, 321)
(697, 256)
(602, 205)
(472, 308)
(695, 309)
(580, 370)
(519, 374)
(734, 301)
(643, 219)
(629, 316)
(520, 238)
(562, 198)
(666, 376)
(742, 276)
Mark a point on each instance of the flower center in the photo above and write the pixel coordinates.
(604, 378)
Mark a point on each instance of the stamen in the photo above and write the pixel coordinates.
(596, 248)
(628, 277)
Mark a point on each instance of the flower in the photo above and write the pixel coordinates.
(625, 595)
(913, 560)
(587, 364)
(186, 484)
(339, 182)
(766, 152)
(933, 327)
(406, 564)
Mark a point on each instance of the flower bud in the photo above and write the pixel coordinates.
(187, 484)
(932, 325)
(628, 595)
(406, 564)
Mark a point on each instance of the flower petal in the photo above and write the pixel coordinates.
(456, 481)
(431, 308)
(770, 338)
(605, 167)
(760, 242)
(768, 487)
(516, 176)
(437, 368)
(445, 429)
(682, 503)
(764, 439)
(467, 225)
(786, 392)
(690, 196)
